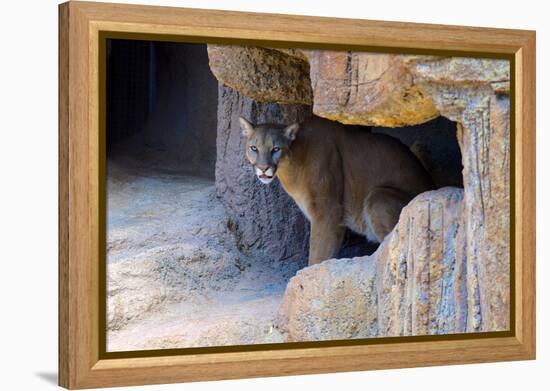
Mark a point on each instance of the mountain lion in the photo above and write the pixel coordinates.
(340, 176)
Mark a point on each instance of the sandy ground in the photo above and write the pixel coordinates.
(175, 276)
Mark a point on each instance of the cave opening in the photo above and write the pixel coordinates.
(161, 106)
(435, 144)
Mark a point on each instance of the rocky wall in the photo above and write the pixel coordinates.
(446, 266)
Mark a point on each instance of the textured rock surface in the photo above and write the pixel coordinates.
(454, 275)
(446, 266)
(353, 87)
(484, 140)
(157, 243)
(421, 268)
(367, 89)
(335, 299)
(393, 90)
(278, 77)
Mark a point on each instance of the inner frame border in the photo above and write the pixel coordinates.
(102, 197)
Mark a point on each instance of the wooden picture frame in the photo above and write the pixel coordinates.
(81, 25)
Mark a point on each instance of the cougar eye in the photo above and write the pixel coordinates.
(253, 148)
(276, 149)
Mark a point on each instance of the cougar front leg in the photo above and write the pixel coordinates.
(325, 239)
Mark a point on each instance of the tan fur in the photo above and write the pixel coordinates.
(339, 176)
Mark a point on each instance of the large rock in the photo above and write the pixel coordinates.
(336, 299)
(446, 266)
(421, 268)
(483, 115)
(484, 140)
(390, 90)
(367, 89)
(352, 87)
(278, 77)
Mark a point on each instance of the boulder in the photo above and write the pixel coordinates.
(367, 89)
(336, 299)
(421, 268)
(393, 90)
(278, 77)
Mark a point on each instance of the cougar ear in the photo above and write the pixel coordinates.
(291, 131)
(246, 127)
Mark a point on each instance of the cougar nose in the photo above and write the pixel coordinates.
(263, 168)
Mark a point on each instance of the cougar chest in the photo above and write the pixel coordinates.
(291, 184)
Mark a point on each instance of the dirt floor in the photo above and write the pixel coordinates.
(175, 276)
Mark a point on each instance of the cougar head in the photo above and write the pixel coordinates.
(266, 146)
